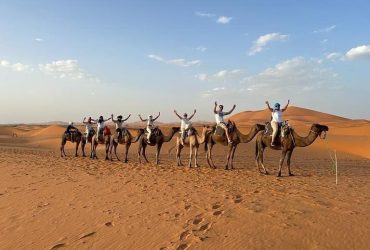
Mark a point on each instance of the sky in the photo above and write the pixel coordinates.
(66, 60)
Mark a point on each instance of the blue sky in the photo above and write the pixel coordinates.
(63, 60)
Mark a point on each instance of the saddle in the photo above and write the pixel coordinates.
(189, 132)
(218, 130)
(284, 129)
(103, 132)
(122, 132)
(155, 132)
(72, 135)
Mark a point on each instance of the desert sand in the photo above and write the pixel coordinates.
(49, 202)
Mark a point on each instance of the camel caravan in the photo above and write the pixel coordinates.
(276, 134)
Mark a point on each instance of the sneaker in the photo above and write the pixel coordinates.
(273, 144)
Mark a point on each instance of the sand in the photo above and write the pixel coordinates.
(48, 202)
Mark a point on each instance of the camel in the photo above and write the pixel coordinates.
(286, 145)
(84, 142)
(125, 139)
(193, 141)
(235, 136)
(157, 139)
(77, 137)
(99, 138)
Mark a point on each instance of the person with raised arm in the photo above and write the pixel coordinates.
(185, 124)
(276, 118)
(89, 129)
(120, 126)
(149, 124)
(219, 115)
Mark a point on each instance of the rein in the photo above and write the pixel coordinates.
(320, 134)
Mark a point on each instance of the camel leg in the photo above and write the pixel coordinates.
(178, 155)
(228, 157)
(139, 149)
(107, 151)
(289, 155)
(159, 146)
(196, 157)
(144, 153)
(126, 152)
(190, 155)
(260, 154)
(281, 162)
(83, 148)
(209, 156)
(62, 154)
(77, 144)
(232, 157)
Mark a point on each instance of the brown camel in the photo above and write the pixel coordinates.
(286, 144)
(100, 138)
(125, 139)
(74, 137)
(236, 137)
(157, 139)
(89, 140)
(193, 141)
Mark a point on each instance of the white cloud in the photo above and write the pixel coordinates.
(18, 67)
(295, 74)
(326, 29)
(39, 39)
(224, 19)
(214, 91)
(201, 48)
(156, 57)
(220, 75)
(360, 52)
(324, 41)
(66, 69)
(263, 40)
(204, 14)
(179, 61)
(201, 76)
(333, 56)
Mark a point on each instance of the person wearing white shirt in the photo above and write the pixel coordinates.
(89, 123)
(120, 126)
(219, 116)
(276, 119)
(185, 124)
(101, 124)
(149, 124)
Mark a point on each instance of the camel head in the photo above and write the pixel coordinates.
(319, 129)
(207, 128)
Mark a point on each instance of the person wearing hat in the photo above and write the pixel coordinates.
(276, 119)
(219, 115)
(101, 124)
(120, 124)
(149, 124)
(185, 124)
(71, 128)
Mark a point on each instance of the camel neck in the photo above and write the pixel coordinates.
(248, 137)
(305, 141)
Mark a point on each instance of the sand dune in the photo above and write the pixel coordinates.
(48, 202)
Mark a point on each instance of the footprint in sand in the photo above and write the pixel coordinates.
(205, 227)
(215, 206)
(187, 207)
(109, 224)
(184, 235)
(217, 213)
(182, 247)
(197, 220)
(238, 199)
